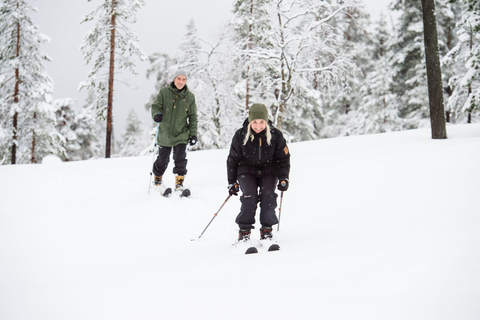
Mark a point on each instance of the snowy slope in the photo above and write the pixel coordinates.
(373, 227)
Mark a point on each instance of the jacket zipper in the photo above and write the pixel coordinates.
(260, 150)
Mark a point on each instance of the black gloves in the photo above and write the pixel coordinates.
(192, 140)
(282, 184)
(233, 189)
(158, 117)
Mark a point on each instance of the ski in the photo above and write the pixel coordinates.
(251, 250)
(163, 191)
(166, 193)
(270, 245)
(185, 193)
(246, 246)
(274, 247)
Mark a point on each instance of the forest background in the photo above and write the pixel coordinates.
(324, 69)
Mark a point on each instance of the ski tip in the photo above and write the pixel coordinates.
(185, 193)
(274, 247)
(251, 250)
(167, 192)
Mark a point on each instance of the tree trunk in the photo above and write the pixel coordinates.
(108, 143)
(434, 72)
(15, 100)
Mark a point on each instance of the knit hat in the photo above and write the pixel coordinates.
(180, 72)
(257, 111)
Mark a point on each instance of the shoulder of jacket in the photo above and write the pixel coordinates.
(166, 90)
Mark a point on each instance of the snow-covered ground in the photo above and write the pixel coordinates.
(382, 226)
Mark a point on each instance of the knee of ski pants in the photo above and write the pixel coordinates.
(249, 202)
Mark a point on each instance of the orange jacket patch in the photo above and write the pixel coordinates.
(285, 150)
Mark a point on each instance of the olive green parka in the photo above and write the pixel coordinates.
(179, 115)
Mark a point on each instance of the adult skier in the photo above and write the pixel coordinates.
(259, 159)
(176, 112)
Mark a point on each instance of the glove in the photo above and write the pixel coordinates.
(192, 140)
(233, 189)
(158, 117)
(283, 185)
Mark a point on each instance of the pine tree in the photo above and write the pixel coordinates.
(26, 111)
(410, 78)
(88, 128)
(252, 30)
(134, 142)
(378, 110)
(465, 83)
(111, 44)
(409, 82)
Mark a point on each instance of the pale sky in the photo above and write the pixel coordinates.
(160, 27)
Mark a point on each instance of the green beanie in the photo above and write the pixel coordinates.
(257, 111)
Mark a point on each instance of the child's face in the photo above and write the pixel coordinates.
(259, 125)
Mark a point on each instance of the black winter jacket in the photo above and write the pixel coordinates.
(256, 157)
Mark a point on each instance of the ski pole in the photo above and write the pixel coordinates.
(280, 211)
(216, 213)
(153, 157)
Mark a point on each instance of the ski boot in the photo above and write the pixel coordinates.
(267, 240)
(184, 192)
(244, 242)
(266, 233)
(179, 183)
(244, 235)
(157, 180)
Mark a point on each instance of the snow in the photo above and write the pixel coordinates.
(378, 226)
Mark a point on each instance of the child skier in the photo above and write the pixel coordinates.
(258, 159)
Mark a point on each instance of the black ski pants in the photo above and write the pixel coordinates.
(179, 159)
(257, 189)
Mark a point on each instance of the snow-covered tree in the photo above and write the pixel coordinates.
(43, 135)
(88, 128)
(410, 79)
(111, 44)
(465, 83)
(26, 111)
(343, 99)
(136, 138)
(378, 110)
(276, 43)
(447, 39)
